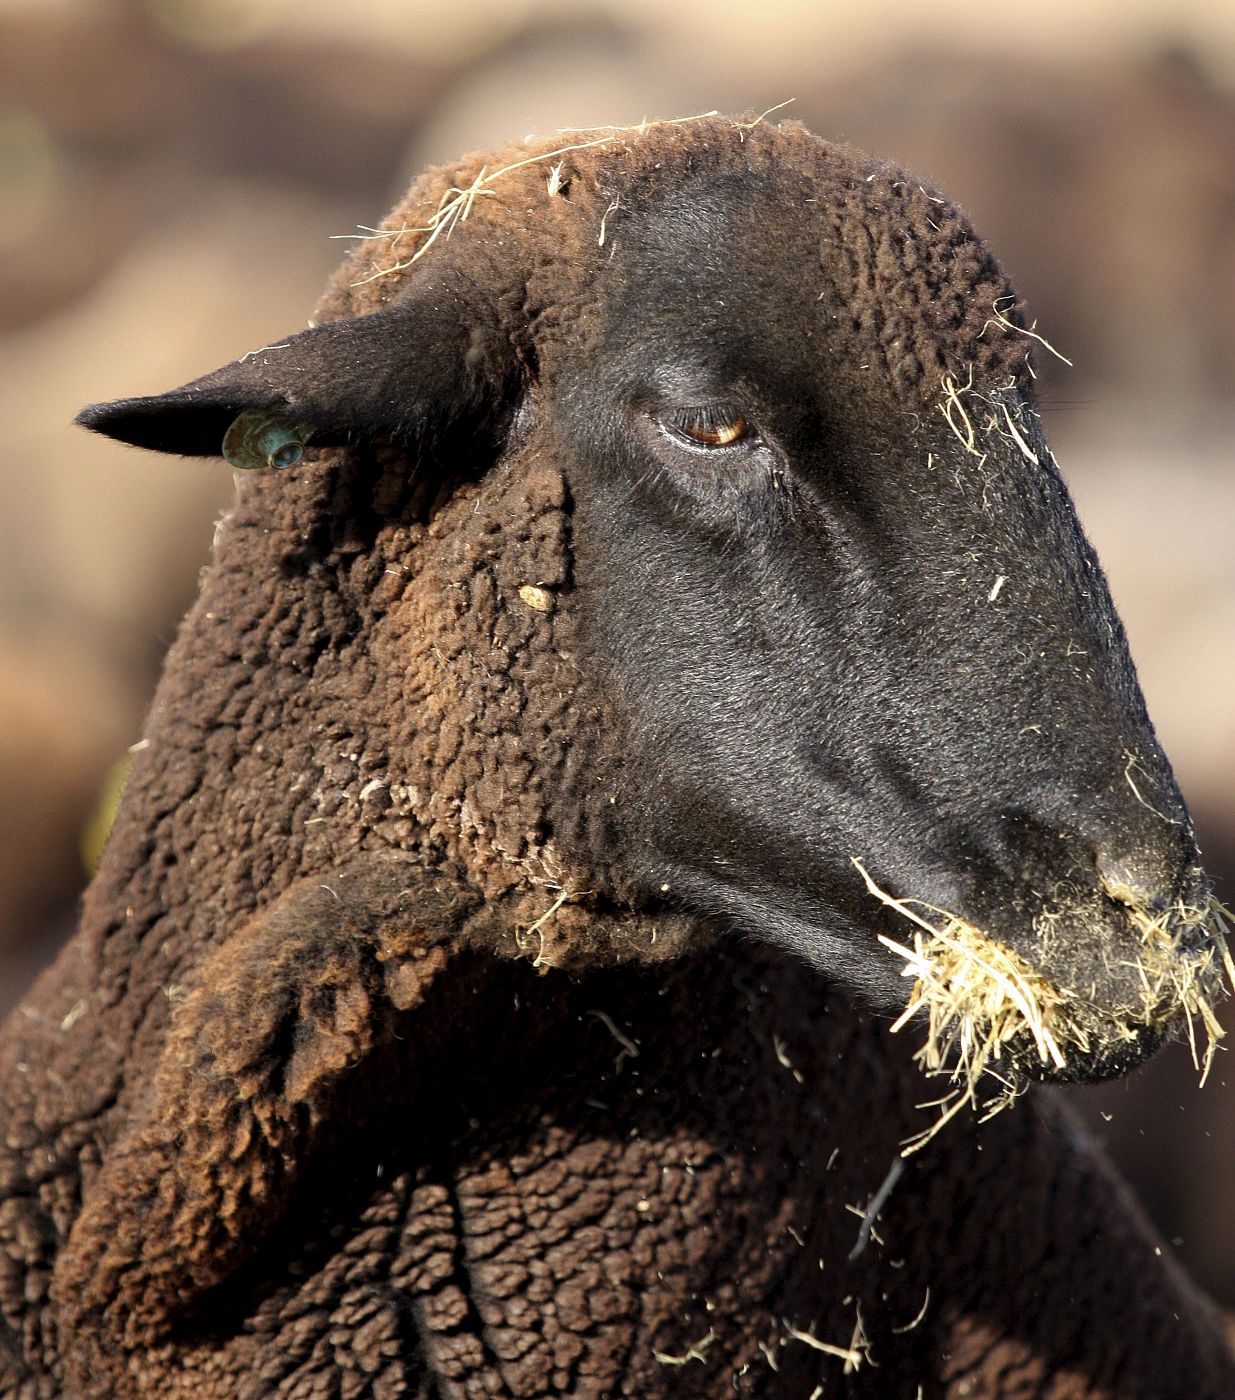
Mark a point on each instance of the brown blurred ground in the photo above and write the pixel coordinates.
(170, 171)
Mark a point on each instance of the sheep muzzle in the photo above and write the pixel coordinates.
(988, 1007)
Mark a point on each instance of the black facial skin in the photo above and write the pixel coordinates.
(808, 662)
(824, 629)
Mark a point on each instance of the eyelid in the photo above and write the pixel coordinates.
(709, 426)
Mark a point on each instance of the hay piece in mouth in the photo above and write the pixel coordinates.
(1173, 984)
(981, 998)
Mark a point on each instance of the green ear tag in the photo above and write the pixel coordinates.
(260, 439)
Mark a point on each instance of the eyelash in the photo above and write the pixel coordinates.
(711, 427)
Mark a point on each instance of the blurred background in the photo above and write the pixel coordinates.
(171, 172)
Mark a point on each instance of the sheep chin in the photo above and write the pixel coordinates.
(1129, 1048)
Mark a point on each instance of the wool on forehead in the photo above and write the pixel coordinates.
(902, 269)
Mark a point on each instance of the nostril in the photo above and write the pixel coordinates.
(1172, 881)
(1174, 910)
(1127, 884)
(1119, 885)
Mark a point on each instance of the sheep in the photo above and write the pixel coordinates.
(653, 593)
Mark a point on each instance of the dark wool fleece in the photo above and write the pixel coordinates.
(318, 1102)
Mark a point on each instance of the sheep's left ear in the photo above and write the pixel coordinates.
(423, 360)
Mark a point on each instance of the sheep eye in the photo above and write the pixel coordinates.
(714, 425)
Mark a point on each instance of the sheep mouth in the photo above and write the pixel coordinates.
(994, 1018)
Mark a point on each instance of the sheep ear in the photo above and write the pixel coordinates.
(389, 374)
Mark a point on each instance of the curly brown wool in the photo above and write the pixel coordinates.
(366, 1076)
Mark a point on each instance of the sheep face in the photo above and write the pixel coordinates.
(828, 591)
(844, 628)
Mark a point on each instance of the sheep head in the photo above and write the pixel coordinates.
(676, 502)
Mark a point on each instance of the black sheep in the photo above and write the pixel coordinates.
(669, 552)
